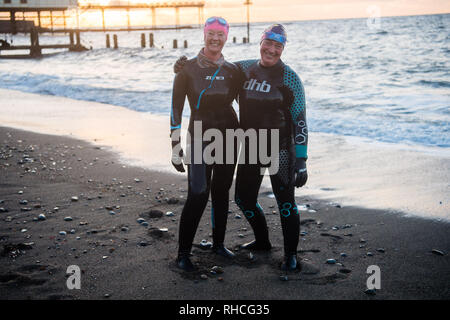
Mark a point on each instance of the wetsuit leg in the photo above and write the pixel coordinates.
(199, 177)
(222, 178)
(284, 190)
(248, 182)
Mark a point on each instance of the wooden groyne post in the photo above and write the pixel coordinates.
(151, 41)
(35, 49)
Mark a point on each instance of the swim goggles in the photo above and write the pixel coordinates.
(220, 20)
(274, 36)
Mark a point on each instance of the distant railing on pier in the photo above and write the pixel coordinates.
(127, 4)
(54, 19)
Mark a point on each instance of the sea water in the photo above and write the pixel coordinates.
(387, 85)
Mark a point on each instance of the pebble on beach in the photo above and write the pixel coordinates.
(217, 269)
(143, 243)
(206, 244)
(284, 278)
(154, 213)
(437, 252)
(371, 292)
(172, 200)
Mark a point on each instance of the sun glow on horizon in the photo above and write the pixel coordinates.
(124, 2)
(235, 12)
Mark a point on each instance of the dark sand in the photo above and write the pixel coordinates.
(33, 263)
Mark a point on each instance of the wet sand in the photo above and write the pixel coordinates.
(122, 259)
(353, 171)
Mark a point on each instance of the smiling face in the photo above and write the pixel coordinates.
(270, 52)
(214, 41)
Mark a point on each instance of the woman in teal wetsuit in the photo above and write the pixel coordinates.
(271, 96)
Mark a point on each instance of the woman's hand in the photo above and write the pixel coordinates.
(177, 159)
(301, 175)
(179, 65)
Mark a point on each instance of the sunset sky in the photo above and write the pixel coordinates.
(285, 10)
(266, 10)
(269, 10)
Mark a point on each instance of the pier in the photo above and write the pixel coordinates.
(126, 5)
(34, 48)
(29, 17)
(63, 16)
(56, 14)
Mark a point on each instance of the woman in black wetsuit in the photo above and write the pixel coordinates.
(272, 97)
(210, 83)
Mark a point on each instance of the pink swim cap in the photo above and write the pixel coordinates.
(217, 23)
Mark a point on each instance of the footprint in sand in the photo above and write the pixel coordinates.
(19, 280)
(28, 275)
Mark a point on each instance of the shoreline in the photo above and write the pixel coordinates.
(122, 259)
(346, 170)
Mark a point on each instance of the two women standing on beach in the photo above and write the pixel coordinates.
(271, 97)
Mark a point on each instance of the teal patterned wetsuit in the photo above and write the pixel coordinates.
(273, 98)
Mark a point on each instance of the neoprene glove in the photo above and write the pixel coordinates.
(179, 64)
(301, 175)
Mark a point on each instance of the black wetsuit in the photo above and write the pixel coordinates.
(210, 92)
(273, 98)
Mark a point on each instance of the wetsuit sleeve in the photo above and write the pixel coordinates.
(297, 108)
(239, 81)
(245, 64)
(242, 66)
(178, 97)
